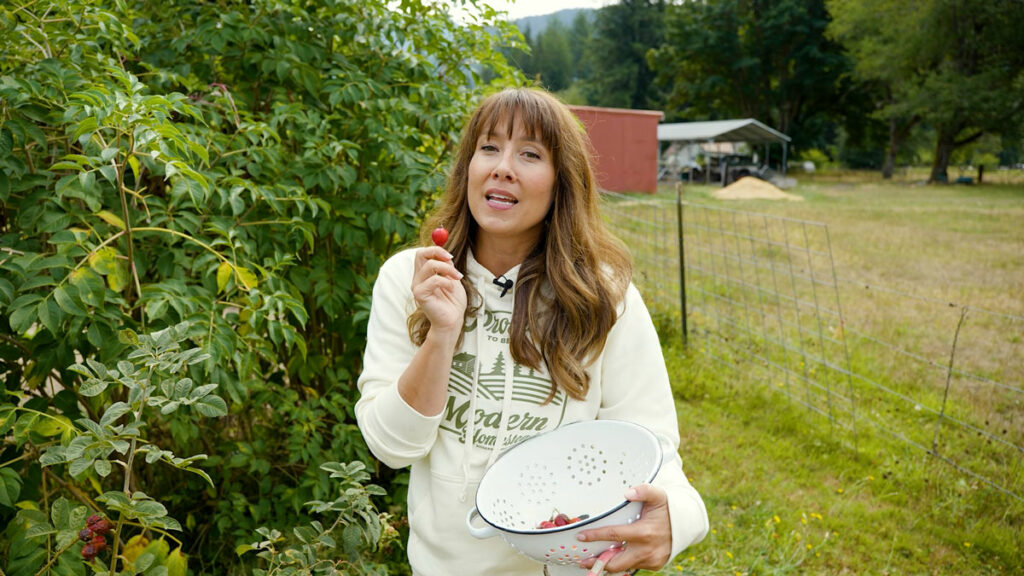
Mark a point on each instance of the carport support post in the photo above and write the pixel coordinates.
(785, 148)
(682, 257)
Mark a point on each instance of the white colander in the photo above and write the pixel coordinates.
(578, 469)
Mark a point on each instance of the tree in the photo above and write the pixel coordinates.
(764, 59)
(955, 65)
(580, 35)
(882, 40)
(623, 34)
(552, 58)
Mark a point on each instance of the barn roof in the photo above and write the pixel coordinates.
(745, 130)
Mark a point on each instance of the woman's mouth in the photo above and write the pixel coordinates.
(500, 200)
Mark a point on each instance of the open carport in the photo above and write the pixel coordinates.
(712, 132)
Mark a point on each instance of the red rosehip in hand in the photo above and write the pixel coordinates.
(439, 236)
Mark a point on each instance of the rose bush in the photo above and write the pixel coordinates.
(231, 173)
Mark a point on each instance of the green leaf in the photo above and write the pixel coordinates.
(50, 315)
(52, 425)
(115, 411)
(109, 174)
(24, 425)
(223, 276)
(7, 417)
(243, 548)
(177, 564)
(104, 260)
(107, 154)
(60, 513)
(10, 487)
(79, 466)
(102, 468)
(6, 291)
(111, 218)
(67, 303)
(133, 163)
(23, 318)
(199, 472)
(86, 126)
(55, 454)
(182, 388)
(93, 387)
(118, 277)
(149, 508)
(246, 277)
(201, 391)
(211, 406)
(144, 561)
(6, 142)
(65, 166)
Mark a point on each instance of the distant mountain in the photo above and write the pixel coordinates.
(537, 24)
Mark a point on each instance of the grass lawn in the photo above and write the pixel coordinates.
(785, 495)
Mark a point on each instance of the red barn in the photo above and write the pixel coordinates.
(625, 147)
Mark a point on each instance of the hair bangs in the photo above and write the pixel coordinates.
(511, 109)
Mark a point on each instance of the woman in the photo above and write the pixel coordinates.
(524, 321)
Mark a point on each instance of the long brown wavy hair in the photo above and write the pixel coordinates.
(570, 286)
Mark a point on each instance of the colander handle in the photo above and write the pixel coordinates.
(487, 531)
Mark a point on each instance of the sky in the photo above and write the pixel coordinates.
(521, 8)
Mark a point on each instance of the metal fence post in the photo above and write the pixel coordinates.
(682, 257)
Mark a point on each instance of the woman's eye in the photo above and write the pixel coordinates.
(489, 148)
(532, 155)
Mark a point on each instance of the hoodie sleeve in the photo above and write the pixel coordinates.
(395, 432)
(635, 387)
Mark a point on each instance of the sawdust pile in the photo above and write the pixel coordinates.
(750, 188)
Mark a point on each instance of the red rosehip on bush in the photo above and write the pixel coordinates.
(89, 551)
(85, 535)
(98, 524)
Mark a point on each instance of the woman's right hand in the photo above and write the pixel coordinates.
(438, 291)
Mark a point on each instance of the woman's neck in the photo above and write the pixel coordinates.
(499, 256)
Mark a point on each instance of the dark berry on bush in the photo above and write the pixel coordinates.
(93, 519)
(89, 551)
(85, 535)
(101, 526)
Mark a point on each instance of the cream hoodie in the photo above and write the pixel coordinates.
(497, 404)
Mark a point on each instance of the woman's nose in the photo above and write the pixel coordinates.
(503, 169)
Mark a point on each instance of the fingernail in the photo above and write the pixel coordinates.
(450, 257)
(460, 274)
(581, 537)
(631, 494)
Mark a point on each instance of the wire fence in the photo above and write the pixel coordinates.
(941, 377)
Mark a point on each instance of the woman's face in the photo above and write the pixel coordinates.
(511, 186)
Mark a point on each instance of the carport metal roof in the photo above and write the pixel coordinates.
(745, 130)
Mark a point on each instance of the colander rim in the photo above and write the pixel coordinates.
(657, 468)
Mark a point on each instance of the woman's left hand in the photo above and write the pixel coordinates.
(648, 540)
